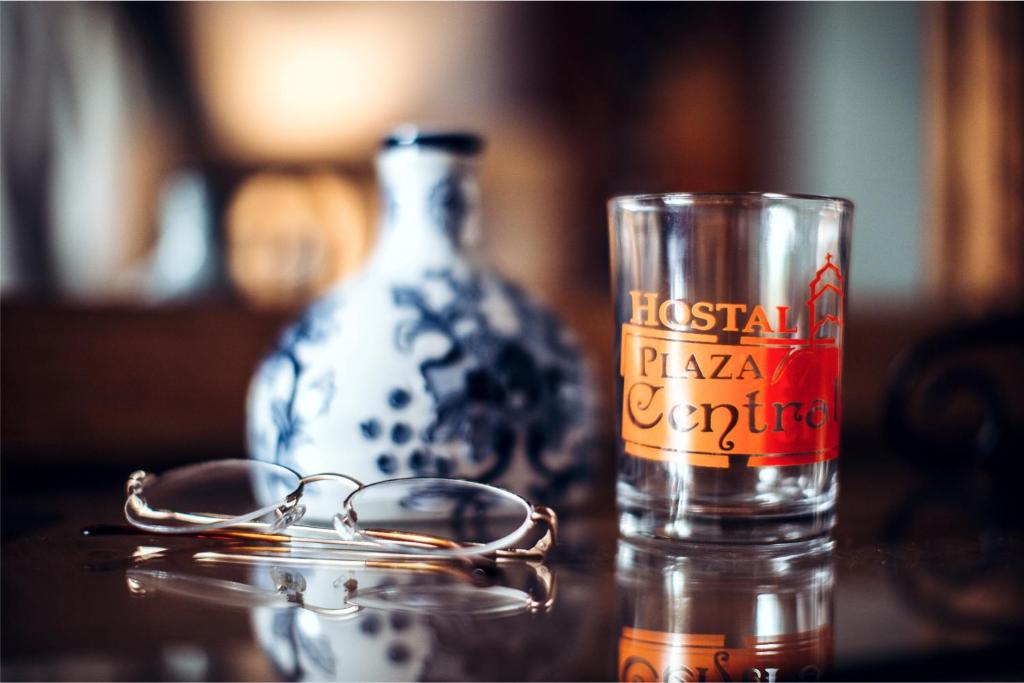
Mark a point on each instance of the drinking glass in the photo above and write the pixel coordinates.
(729, 317)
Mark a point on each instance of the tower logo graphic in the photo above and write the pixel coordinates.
(827, 281)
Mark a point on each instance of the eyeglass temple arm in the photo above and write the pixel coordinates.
(540, 515)
(412, 539)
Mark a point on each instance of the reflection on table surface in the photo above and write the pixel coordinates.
(903, 592)
(341, 618)
(753, 613)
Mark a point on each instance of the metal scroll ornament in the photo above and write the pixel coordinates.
(426, 363)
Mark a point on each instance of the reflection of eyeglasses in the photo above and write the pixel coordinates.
(251, 496)
(446, 590)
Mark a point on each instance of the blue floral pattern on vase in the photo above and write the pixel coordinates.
(515, 390)
(287, 368)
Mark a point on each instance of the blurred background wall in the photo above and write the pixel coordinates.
(854, 128)
(168, 168)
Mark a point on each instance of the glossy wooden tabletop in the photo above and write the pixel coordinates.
(922, 583)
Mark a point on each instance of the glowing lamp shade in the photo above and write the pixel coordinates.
(283, 81)
(290, 236)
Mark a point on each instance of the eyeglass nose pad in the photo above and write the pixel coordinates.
(345, 525)
(286, 516)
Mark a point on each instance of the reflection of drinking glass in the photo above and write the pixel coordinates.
(729, 327)
(763, 613)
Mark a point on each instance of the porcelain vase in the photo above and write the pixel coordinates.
(427, 363)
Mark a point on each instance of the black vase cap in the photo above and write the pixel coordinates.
(455, 141)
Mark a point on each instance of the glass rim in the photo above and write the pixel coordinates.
(668, 201)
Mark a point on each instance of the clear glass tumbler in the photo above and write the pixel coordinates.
(729, 311)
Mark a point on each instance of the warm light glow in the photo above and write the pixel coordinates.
(290, 236)
(323, 81)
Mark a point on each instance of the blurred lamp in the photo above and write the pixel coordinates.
(292, 235)
(323, 81)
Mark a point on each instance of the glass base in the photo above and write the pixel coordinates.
(739, 504)
(646, 523)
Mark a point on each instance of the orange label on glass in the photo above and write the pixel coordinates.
(656, 656)
(772, 400)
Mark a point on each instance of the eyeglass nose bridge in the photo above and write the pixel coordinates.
(292, 511)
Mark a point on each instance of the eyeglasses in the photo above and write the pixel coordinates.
(264, 501)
